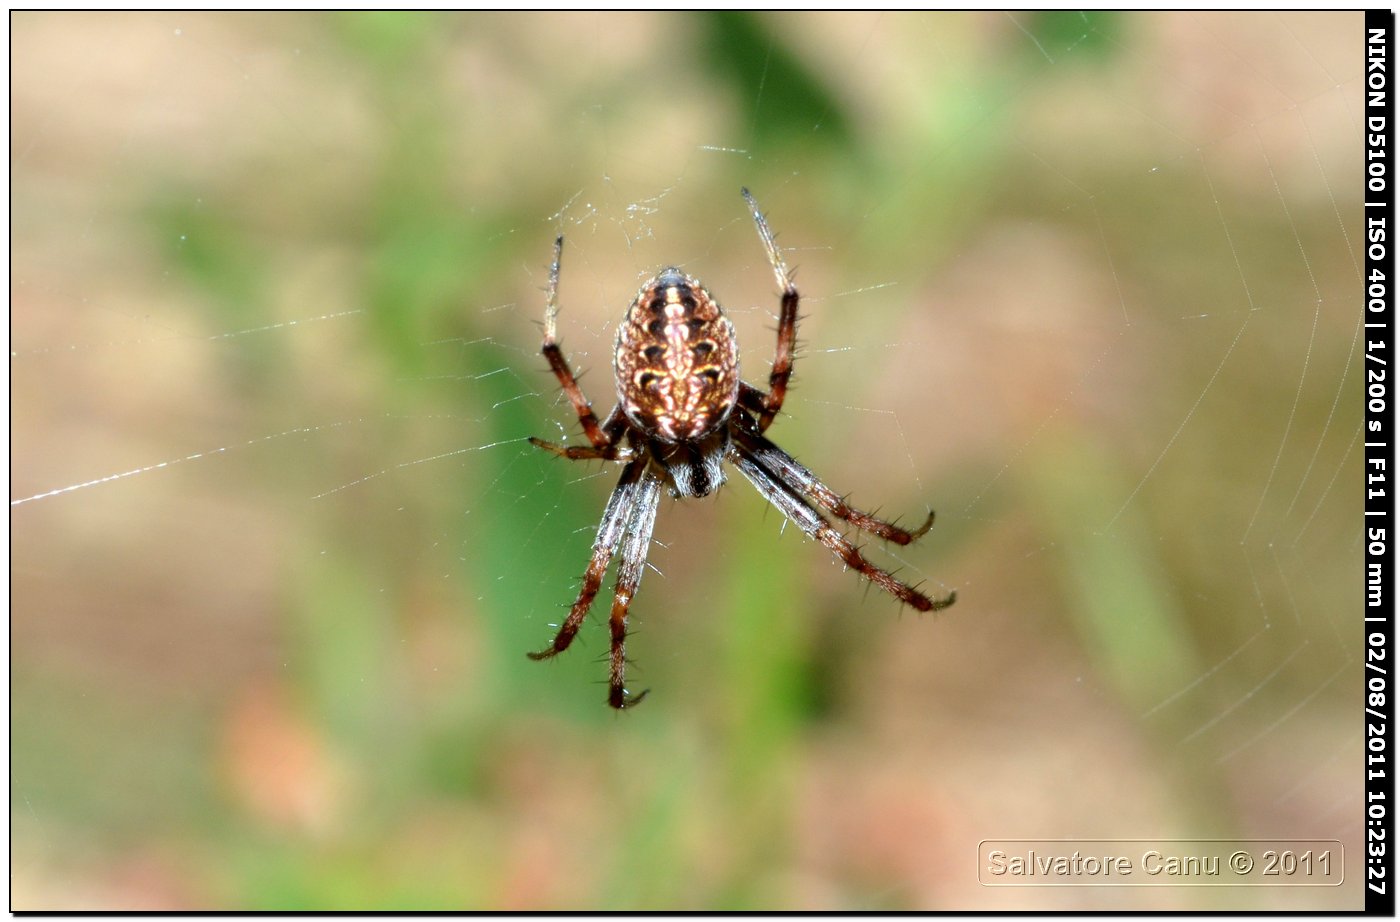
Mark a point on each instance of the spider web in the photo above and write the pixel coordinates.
(1084, 285)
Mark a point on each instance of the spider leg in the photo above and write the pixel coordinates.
(751, 398)
(616, 515)
(811, 522)
(610, 450)
(631, 563)
(587, 452)
(797, 478)
(769, 404)
(560, 366)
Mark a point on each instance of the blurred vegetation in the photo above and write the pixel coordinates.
(362, 730)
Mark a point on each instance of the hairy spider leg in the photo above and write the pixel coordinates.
(585, 452)
(631, 562)
(612, 451)
(811, 523)
(797, 478)
(603, 436)
(616, 515)
(768, 405)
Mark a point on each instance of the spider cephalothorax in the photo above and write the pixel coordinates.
(682, 410)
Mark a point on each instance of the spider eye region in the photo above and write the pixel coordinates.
(677, 362)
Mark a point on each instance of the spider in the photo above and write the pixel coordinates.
(681, 410)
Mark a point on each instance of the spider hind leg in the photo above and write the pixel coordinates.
(768, 405)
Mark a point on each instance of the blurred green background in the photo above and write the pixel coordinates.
(1085, 284)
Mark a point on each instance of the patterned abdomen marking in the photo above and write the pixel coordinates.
(676, 364)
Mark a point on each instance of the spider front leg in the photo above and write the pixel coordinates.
(793, 475)
(806, 518)
(619, 511)
(631, 563)
(768, 405)
(610, 450)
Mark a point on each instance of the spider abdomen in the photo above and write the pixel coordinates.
(676, 363)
